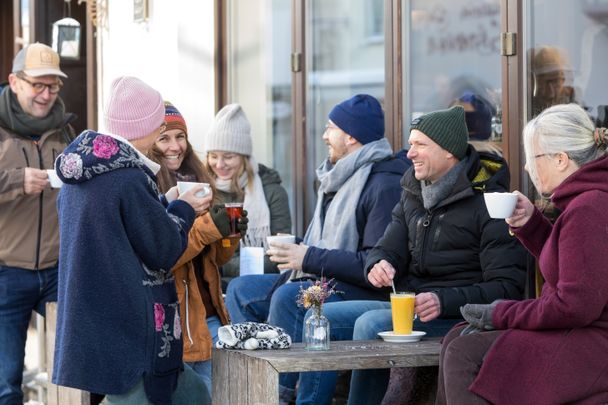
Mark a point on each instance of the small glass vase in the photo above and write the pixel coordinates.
(316, 331)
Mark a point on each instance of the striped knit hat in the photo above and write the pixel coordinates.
(174, 119)
(447, 128)
(230, 131)
(134, 109)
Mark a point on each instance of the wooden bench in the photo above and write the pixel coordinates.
(251, 377)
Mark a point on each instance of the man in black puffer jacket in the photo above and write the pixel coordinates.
(441, 244)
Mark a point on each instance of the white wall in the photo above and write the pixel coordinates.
(173, 51)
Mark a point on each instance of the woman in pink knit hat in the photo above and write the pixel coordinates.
(118, 320)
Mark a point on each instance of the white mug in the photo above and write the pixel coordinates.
(282, 238)
(183, 186)
(54, 179)
(500, 205)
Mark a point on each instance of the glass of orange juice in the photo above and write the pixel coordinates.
(402, 308)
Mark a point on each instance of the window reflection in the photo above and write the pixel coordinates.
(345, 56)
(566, 65)
(451, 49)
(259, 78)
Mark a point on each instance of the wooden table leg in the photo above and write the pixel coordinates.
(242, 380)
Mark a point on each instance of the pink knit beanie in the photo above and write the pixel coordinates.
(134, 109)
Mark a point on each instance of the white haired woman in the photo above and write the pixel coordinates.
(551, 349)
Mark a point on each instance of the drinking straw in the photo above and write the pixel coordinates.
(393, 284)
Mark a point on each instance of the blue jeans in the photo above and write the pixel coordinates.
(203, 368)
(190, 390)
(359, 320)
(248, 299)
(21, 292)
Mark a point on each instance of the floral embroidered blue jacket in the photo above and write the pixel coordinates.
(118, 316)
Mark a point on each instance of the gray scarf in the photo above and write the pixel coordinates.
(433, 194)
(13, 116)
(346, 179)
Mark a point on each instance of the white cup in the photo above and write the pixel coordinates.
(54, 180)
(281, 238)
(183, 186)
(500, 205)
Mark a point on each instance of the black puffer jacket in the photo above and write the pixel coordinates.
(454, 250)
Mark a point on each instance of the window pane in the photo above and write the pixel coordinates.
(567, 65)
(259, 78)
(345, 56)
(452, 52)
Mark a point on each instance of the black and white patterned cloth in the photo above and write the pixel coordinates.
(252, 336)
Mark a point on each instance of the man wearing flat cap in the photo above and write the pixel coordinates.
(34, 129)
(441, 244)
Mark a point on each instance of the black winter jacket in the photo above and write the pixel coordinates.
(454, 250)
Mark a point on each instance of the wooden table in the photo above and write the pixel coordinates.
(251, 377)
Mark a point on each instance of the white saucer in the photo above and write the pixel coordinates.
(391, 336)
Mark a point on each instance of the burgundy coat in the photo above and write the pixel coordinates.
(555, 348)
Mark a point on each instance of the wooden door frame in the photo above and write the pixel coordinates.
(513, 97)
(303, 213)
(393, 66)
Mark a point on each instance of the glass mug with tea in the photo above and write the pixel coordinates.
(235, 212)
(402, 309)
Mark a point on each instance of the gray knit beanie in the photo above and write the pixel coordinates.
(447, 128)
(230, 131)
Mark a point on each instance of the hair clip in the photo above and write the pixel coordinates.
(599, 136)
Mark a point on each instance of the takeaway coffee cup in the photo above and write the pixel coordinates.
(281, 238)
(54, 180)
(500, 205)
(183, 186)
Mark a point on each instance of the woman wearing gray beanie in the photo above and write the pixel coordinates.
(238, 178)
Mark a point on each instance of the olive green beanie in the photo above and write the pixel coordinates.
(447, 128)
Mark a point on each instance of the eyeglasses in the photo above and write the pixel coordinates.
(542, 154)
(551, 154)
(39, 87)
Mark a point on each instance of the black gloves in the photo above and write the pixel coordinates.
(242, 224)
(220, 219)
(479, 316)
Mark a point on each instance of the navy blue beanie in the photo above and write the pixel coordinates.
(361, 117)
(479, 121)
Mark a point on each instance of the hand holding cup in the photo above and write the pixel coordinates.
(34, 180)
(200, 204)
(522, 213)
(288, 255)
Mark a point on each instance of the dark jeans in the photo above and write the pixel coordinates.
(21, 292)
(459, 362)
